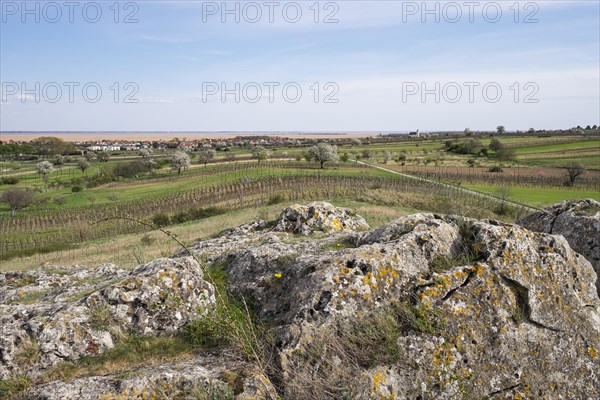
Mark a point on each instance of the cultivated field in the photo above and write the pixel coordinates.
(114, 205)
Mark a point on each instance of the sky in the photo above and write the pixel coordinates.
(298, 66)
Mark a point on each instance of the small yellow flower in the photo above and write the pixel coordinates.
(21, 293)
(338, 245)
(278, 275)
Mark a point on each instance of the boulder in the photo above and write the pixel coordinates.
(319, 216)
(577, 221)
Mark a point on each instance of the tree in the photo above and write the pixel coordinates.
(574, 171)
(355, 142)
(502, 193)
(103, 156)
(531, 130)
(230, 156)
(179, 161)
(60, 160)
(386, 156)
(150, 164)
(207, 155)
(44, 168)
(89, 155)
(506, 154)
(48, 146)
(471, 146)
(345, 157)
(496, 145)
(500, 129)
(144, 153)
(323, 153)
(468, 132)
(17, 198)
(366, 154)
(83, 165)
(260, 153)
(15, 149)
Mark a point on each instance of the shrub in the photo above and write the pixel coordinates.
(470, 146)
(275, 199)
(27, 157)
(161, 219)
(495, 168)
(76, 189)
(59, 200)
(129, 169)
(199, 213)
(98, 180)
(40, 201)
(10, 180)
(147, 240)
(180, 218)
(506, 154)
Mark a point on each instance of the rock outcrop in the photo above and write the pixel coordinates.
(427, 306)
(160, 296)
(206, 377)
(577, 221)
(319, 216)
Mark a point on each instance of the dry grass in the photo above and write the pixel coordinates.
(128, 251)
(29, 354)
(131, 353)
(377, 206)
(328, 367)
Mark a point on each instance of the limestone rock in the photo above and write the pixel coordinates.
(204, 377)
(432, 306)
(160, 296)
(577, 221)
(427, 306)
(319, 217)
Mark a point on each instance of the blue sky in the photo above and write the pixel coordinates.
(375, 62)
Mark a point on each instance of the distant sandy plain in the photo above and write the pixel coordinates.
(96, 136)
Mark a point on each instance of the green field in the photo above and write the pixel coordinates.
(169, 183)
(536, 197)
(61, 219)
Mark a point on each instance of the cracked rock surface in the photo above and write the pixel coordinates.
(69, 323)
(577, 221)
(427, 306)
(319, 216)
(206, 377)
(424, 307)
